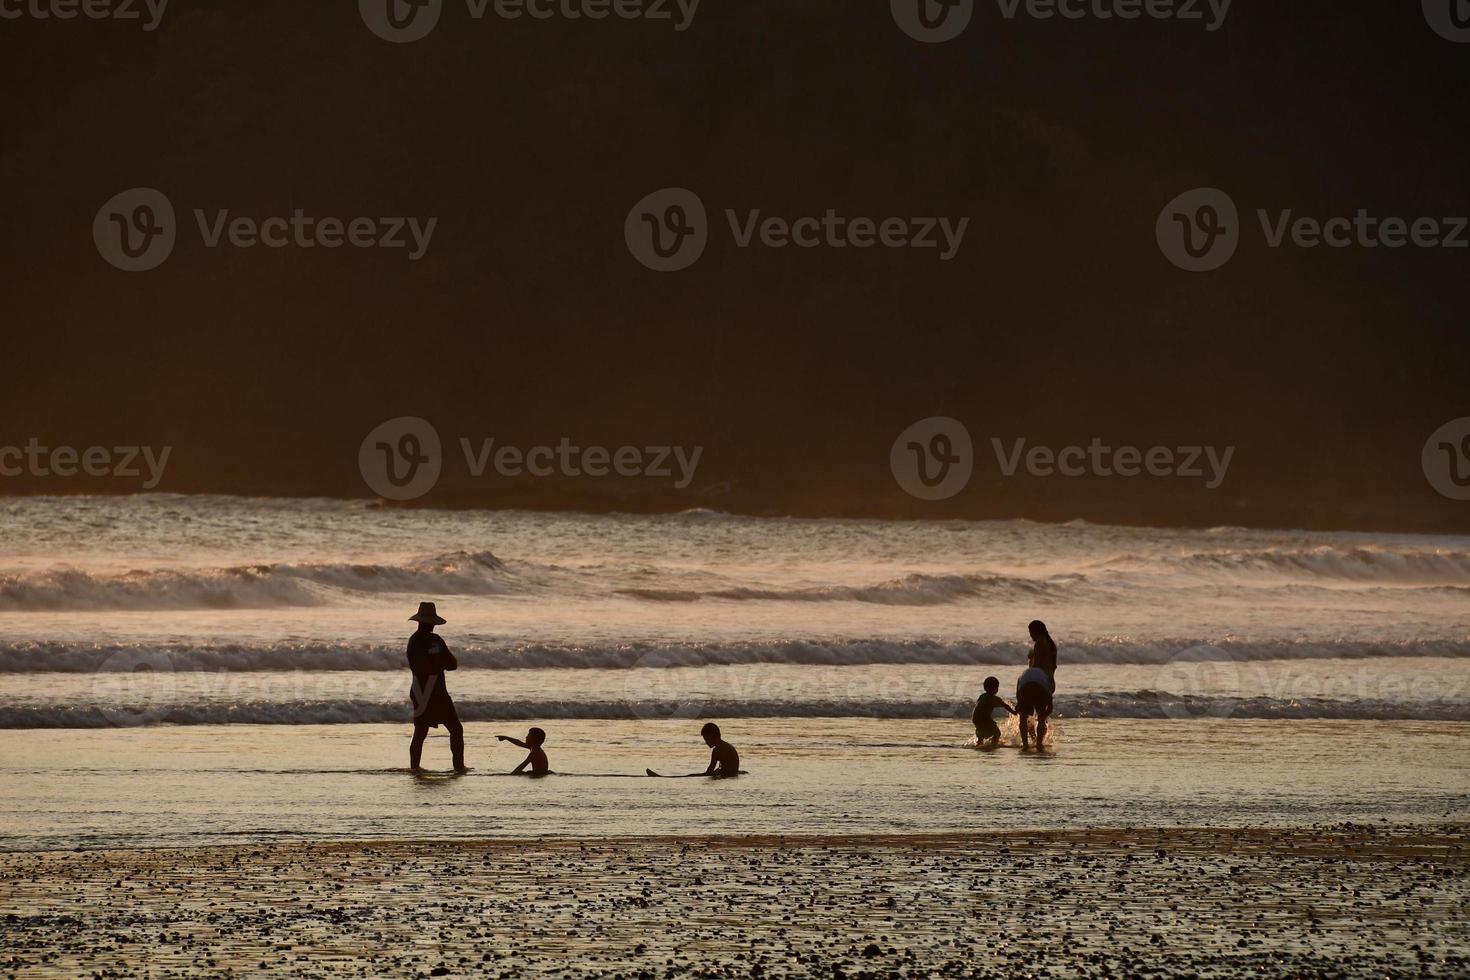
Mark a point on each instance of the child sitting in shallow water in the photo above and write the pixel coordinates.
(537, 759)
(985, 705)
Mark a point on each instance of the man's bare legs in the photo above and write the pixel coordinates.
(456, 744)
(416, 747)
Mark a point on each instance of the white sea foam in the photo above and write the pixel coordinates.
(28, 657)
(262, 586)
(909, 590)
(251, 586)
(1380, 565)
(1139, 704)
(481, 574)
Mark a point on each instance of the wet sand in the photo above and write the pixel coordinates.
(1342, 900)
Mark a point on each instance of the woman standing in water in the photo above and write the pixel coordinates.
(1037, 684)
(1043, 652)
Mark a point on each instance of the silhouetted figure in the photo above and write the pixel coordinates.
(1033, 696)
(537, 759)
(429, 658)
(1043, 652)
(724, 761)
(985, 705)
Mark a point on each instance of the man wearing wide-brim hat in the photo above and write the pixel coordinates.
(429, 658)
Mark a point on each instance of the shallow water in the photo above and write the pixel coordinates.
(208, 784)
(1399, 688)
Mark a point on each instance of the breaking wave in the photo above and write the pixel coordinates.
(1136, 705)
(1360, 565)
(252, 586)
(482, 574)
(22, 658)
(910, 590)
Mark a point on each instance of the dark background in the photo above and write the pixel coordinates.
(528, 320)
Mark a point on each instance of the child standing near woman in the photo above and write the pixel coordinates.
(981, 717)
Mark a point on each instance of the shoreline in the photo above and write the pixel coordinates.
(1393, 840)
(1344, 900)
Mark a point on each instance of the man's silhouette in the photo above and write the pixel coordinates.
(429, 658)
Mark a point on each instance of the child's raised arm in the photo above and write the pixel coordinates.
(516, 741)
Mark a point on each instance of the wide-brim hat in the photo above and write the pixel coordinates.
(427, 614)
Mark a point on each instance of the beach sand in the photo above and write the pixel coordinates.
(1340, 900)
